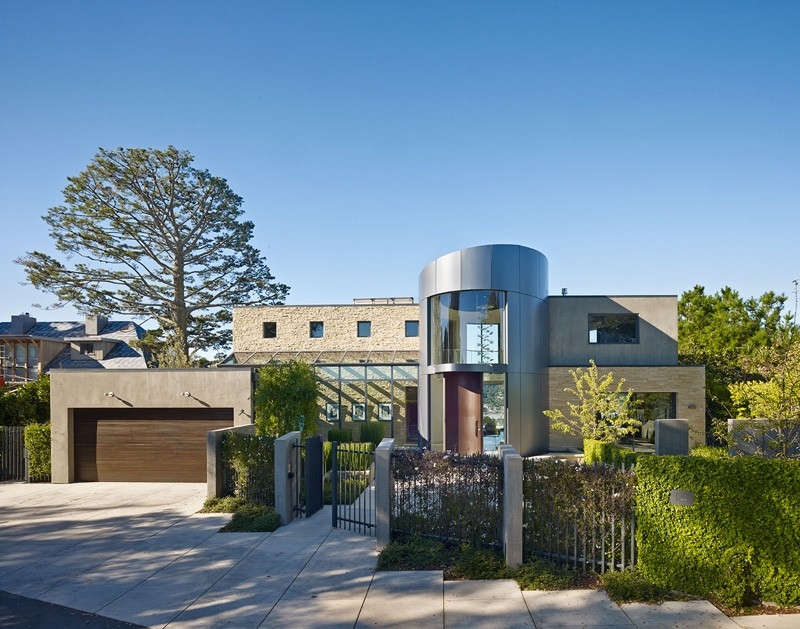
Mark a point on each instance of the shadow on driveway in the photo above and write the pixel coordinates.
(18, 611)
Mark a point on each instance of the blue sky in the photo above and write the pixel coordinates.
(643, 147)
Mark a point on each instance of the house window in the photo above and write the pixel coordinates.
(316, 329)
(364, 328)
(270, 329)
(613, 328)
(412, 328)
(87, 349)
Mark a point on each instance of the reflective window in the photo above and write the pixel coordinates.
(316, 329)
(364, 328)
(270, 330)
(467, 327)
(613, 328)
(412, 328)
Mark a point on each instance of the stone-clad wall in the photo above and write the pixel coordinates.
(388, 328)
(688, 382)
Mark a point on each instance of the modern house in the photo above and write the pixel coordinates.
(29, 348)
(485, 339)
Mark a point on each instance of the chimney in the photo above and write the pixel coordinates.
(95, 324)
(21, 323)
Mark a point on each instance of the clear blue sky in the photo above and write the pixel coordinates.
(643, 147)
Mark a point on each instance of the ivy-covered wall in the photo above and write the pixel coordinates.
(740, 540)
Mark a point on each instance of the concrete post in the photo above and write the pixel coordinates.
(383, 492)
(286, 475)
(512, 506)
(214, 457)
(672, 436)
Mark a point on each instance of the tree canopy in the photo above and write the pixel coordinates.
(144, 233)
(285, 399)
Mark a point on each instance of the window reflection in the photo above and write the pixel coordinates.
(466, 327)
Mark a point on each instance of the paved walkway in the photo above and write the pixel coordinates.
(139, 553)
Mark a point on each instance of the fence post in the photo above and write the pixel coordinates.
(383, 492)
(285, 475)
(512, 506)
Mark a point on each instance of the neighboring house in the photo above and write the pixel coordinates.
(486, 339)
(29, 348)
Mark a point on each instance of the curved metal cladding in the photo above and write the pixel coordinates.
(521, 274)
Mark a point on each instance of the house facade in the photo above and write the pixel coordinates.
(485, 341)
(29, 348)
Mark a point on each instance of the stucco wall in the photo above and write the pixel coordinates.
(688, 382)
(340, 331)
(569, 330)
(139, 388)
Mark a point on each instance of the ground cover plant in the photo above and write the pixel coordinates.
(247, 517)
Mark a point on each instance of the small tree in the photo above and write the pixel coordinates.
(25, 404)
(603, 409)
(286, 399)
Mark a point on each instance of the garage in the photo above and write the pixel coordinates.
(144, 444)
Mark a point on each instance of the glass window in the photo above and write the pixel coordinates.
(87, 348)
(364, 328)
(270, 330)
(467, 327)
(613, 328)
(316, 329)
(412, 328)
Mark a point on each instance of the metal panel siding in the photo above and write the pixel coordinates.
(528, 411)
(505, 267)
(476, 268)
(448, 273)
(427, 282)
(514, 332)
(513, 402)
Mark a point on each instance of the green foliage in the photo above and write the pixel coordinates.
(710, 452)
(37, 441)
(144, 232)
(740, 539)
(372, 432)
(25, 404)
(417, 553)
(603, 410)
(599, 452)
(253, 518)
(357, 455)
(225, 504)
(480, 563)
(341, 435)
(285, 397)
(252, 458)
(543, 574)
(628, 586)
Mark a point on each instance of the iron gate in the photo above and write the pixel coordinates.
(13, 463)
(308, 492)
(353, 487)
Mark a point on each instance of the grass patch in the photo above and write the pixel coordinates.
(253, 518)
(632, 586)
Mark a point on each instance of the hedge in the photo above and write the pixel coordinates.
(600, 452)
(740, 540)
(37, 442)
(252, 458)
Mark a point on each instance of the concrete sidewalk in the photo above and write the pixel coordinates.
(139, 553)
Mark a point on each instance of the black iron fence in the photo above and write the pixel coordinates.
(579, 515)
(248, 467)
(448, 497)
(352, 486)
(13, 464)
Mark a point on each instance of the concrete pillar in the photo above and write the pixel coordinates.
(672, 436)
(383, 492)
(512, 506)
(286, 475)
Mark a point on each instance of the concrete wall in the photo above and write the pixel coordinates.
(688, 382)
(388, 328)
(139, 388)
(569, 330)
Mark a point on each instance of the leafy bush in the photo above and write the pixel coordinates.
(357, 455)
(37, 441)
(252, 458)
(253, 518)
(225, 504)
(340, 435)
(417, 553)
(632, 586)
(25, 404)
(599, 452)
(372, 432)
(739, 541)
(479, 563)
(710, 452)
(285, 397)
(543, 574)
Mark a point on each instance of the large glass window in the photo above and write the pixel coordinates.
(467, 327)
(613, 328)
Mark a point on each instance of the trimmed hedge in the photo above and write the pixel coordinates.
(600, 452)
(739, 542)
(252, 458)
(37, 442)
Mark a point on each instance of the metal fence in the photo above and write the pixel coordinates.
(13, 464)
(353, 487)
(579, 515)
(448, 497)
(248, 467)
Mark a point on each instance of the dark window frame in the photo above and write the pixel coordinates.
(269, 330)
(608, 337)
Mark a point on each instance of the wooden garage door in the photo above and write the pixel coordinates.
(134, 444)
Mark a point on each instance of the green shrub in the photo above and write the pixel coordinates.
(37, 441)
(632, 586)
(739, 541)
(417, 553)
(252, 457)
(372, 432)
(710, 452)
(340, 435)
(253, 518)
(25, 404)
(599, 452)
(226, 504)
(543, 574)
(479, 563)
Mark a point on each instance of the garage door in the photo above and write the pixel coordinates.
(144, 444)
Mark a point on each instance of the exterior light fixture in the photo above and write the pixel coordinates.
(186, 394)
(108, 394)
